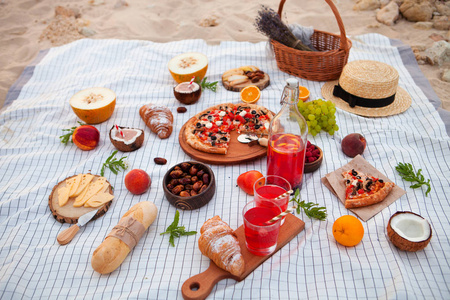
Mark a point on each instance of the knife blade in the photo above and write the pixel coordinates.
(65, 236)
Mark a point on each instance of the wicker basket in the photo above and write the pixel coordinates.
(323, 65)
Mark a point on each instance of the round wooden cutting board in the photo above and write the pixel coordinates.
(237, 152)
(261, 84)
(70, 214)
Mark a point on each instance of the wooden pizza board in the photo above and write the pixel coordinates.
(200, 285)
(70, 214)
(237, 152)
(261, 84)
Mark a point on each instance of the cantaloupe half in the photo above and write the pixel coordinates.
(94, 105)
(184, 66)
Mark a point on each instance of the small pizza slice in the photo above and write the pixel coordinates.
(364, 190)
(252, 118)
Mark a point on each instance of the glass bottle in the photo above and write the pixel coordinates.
(287, 138)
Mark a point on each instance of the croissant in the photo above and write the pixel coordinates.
(219, 243)
(158, 118)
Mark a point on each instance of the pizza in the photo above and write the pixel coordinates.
(210, 130)
(363, 190)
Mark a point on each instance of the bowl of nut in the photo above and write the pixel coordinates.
(313, 158)
(189, 185)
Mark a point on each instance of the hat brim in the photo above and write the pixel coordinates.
(401, 103)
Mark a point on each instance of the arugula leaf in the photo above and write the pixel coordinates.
(176, 231)
(68, 136)
(407, 172)
(113, 164)
(312, 210)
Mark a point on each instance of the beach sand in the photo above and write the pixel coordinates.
(28, 26)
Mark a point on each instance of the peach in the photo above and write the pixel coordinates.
(353, 144)
(137, 181)
(86, 137)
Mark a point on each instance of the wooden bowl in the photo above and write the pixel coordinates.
(312, 166)
(190, 202)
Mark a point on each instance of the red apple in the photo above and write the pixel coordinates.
(137, 181)
(246, 181)
(353, 144)
(86, 137)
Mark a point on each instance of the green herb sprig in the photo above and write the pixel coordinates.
(65, 138)
(312, 210)
(407, 173)
(113, 164)
(208, 85)
(176, 231)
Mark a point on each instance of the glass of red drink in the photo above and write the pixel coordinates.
(269, 189)
(261, 237)
(286, 158)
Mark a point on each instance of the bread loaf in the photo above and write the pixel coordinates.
(124, 236)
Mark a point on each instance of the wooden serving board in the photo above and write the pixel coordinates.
(200, 286)
(237, 152)
(261, 84)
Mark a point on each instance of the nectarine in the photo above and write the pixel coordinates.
(246, 181)
(137, 181)
(86, 137)
(353, 144)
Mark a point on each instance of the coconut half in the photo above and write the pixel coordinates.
(126, 139)
(409, 231)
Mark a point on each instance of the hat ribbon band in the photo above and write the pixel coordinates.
(353, 100)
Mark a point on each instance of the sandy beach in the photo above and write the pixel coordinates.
(28, 26)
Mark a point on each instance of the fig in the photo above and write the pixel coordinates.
(353, 144)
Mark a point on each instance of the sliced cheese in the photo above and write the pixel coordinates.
(85, 180)
(98, 200)
(92, 189)
(63, 195)
(73, 183)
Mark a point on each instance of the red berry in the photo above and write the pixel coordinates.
(316, 153)
(308, 154)
(311, 159)
(308, 144)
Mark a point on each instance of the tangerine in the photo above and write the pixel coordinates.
(250, 94)
(303, 93)
(348, 230)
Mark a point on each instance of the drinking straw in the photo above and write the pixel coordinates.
(117, 128)
(283, 195)
(280, 216)
(192, 80)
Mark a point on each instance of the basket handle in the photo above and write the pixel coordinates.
(344, 43)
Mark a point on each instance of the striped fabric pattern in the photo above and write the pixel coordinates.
(312, 266)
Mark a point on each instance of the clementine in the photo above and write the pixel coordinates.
(348, 230)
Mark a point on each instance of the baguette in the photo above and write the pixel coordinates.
(121, 240)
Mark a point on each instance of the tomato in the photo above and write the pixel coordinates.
(246, 180)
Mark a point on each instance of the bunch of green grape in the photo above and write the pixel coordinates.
(320, 115)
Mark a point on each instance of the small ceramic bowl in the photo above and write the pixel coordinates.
(312, 166)
(177, 198)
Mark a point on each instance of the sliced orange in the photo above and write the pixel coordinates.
(348, 230)
(250, 94)
(303, 93)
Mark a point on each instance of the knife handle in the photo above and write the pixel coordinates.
(65, 236)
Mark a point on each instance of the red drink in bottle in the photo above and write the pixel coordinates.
(286, 158)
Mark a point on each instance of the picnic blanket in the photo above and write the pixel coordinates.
(312, 266)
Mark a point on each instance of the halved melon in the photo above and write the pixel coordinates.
(94, 105)
(184, 66)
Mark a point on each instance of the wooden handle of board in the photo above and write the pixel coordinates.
(65, 236)
(200, 286)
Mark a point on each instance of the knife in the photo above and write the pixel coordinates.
(65, 236)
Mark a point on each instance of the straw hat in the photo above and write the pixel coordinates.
(370, 89)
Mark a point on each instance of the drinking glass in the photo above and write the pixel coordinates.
(269, 188)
